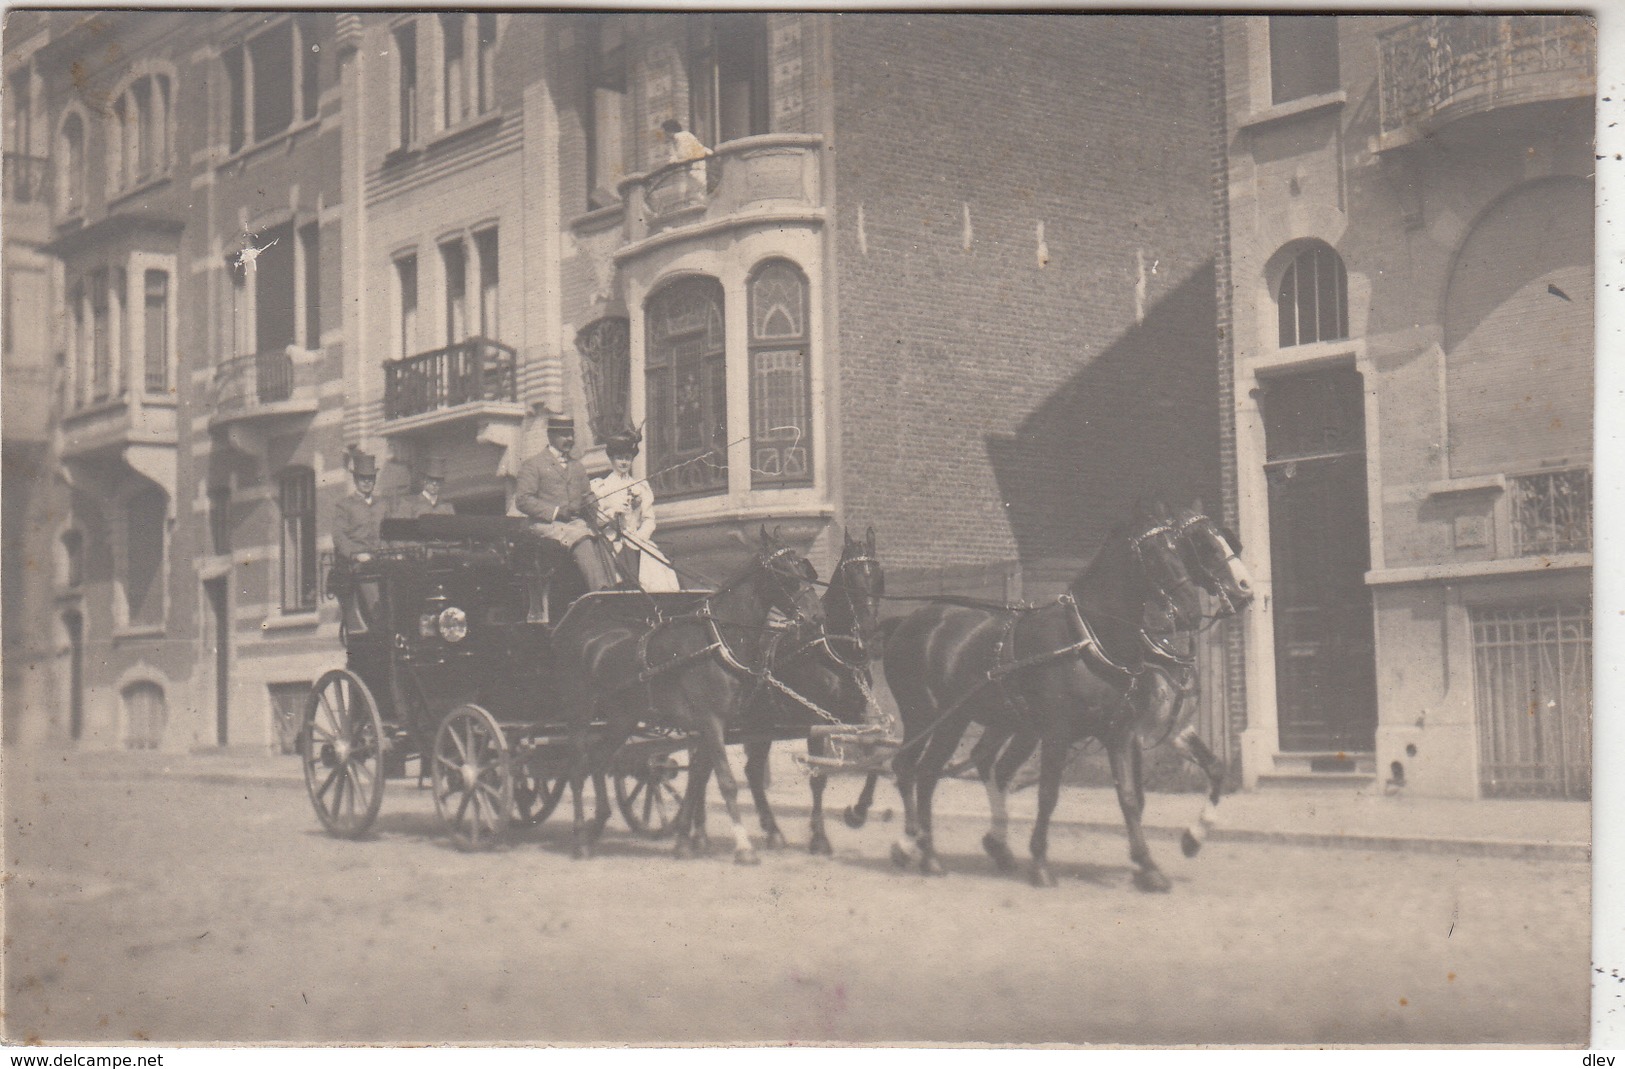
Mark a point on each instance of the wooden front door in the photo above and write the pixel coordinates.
(1325, 652)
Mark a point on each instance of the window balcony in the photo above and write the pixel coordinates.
(255, 394)
(27, 179)
(751, 182)
(475, 377)
(1436, 69)
(113, 424)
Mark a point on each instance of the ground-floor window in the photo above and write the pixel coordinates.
(1532, 690)
(146, 714)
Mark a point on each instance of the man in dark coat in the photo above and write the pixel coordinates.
(426, 502)
(356, 520)
(553, 490)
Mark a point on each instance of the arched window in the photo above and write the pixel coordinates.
(298, 500)
(71, 181)
(1313, 297)
(780, 377)
(606, 365)
(138, 145)
(686, 389)
(146, 714)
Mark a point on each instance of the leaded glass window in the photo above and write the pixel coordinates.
(606, 367)
(686, 387)
(780, 378)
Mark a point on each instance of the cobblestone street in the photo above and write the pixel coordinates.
(168, 910)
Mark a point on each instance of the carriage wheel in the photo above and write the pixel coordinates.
(473, 777)
(342, 744)
(537, 794)
(647, 792)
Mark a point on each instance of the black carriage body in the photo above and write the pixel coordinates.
(459, 616)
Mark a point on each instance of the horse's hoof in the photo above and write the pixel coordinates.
(683, 850)
(999, 851)
(855, 818)
(820, 845)
(1042, 877)
(580, 852)
(900, 857)
(1190, 845)
(775, 840)
(1152, 880)
(930, 866)
(746, 857)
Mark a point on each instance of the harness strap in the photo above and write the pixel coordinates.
(1088, 646)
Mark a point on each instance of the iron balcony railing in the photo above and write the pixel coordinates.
(1467, 63)
(1551, 512)
(263, 378)
(470, 371)
(27, 179)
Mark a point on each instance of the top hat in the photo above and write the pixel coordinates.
(363, 466)
(435, 468)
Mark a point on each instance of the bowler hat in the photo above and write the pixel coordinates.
(363, 466)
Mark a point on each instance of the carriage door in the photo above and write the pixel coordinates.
(1325, 655)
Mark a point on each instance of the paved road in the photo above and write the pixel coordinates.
(180, 911)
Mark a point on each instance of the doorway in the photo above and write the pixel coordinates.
(1325, 649)
(214, 591)
(74, 625)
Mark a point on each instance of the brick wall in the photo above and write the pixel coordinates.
(1025, 237)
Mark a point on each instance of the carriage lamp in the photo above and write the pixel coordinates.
(453, 624)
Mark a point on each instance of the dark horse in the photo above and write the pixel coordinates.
(824, 670)
(1061, 672)
(620, 663)
(1163, 703)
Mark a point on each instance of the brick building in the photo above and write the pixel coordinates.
(1410, 281)
(194, 233)
(951, 276)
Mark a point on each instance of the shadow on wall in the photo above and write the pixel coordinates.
(1141, 419)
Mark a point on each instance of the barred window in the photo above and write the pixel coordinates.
(686, 387)
(298, 497)
(606, 367)
(156, 328)
(780, 377)
(1313, 298)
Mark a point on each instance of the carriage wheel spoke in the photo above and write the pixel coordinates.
(328, 782)
(468, 796)
(649, 801)
(632, 795)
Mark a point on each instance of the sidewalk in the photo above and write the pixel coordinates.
(1343, 818)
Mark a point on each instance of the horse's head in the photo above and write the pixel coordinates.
(1155, 549)
(852, 602)
(1213, 556)
(787, 580)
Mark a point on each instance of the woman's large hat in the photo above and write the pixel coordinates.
(623, 443)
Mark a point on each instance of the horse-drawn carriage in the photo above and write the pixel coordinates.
(454, 676)
(449, 668)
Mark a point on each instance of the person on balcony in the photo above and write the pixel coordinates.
(628, 506)
(554, 492)
(426, 502)
(686, 148)
(356, 522)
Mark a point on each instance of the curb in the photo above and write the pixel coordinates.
(1516, 849)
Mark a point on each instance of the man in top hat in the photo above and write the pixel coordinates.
(426, 502)
(553, 490)
(356, 520)
(358, 515)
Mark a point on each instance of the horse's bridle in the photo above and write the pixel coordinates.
(1214, 584)
(1136, 544)
(770, 563)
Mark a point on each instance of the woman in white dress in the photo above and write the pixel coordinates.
(628, 509)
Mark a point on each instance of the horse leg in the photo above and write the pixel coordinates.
(937, 751)
(712, 739)
(818, 841)
(1191, 747)
(581, 755)
(756, 754)
(1051, 763)
(997, 772)
(906, 850)
(1123, 750)
(858, 812)
(691, 838)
